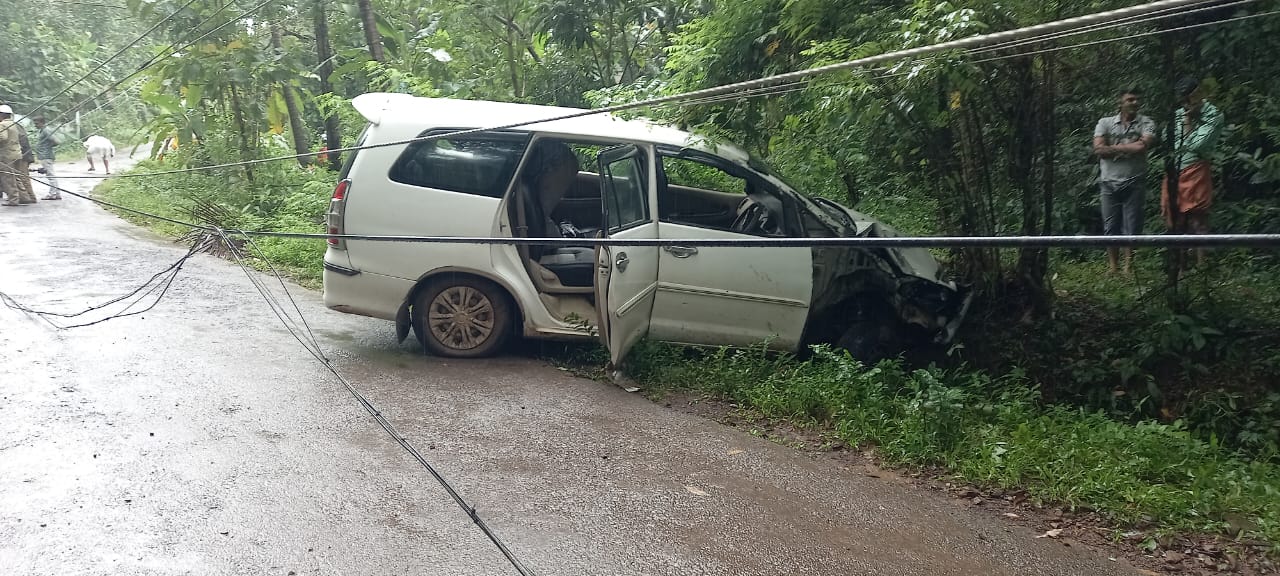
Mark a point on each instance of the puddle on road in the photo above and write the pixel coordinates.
(342, 336)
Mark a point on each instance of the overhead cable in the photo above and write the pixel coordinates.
(769, 81)
(103, 64)
(314, 349)
(1132, 36)
(1051, 241)
(1119, 22)
(168, 52)
(99, 201)
(919, 65)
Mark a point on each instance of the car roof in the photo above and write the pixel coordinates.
(424, 113)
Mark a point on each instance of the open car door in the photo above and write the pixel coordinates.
(626, 276)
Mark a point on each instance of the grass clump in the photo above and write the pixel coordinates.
(993, 432)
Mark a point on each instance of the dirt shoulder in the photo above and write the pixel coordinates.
(1142, 546)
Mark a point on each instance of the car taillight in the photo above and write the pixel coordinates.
(337, 209)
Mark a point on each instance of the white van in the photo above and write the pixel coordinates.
(600, 176)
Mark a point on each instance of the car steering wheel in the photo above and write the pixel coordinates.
(753, 218)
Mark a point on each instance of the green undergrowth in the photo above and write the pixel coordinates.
(280, 198)
(1116, 343)
(993, 432)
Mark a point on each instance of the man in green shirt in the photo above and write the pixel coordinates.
(46, 140)
(1197, 127)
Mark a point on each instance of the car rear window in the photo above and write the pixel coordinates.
(479, 164)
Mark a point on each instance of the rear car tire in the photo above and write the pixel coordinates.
(462, 317)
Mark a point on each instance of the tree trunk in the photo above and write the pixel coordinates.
(1033, 263)
(852, 193)
(246, 149)
(1049, 176)
(332, 130)
(372, 37)
(513, 65)
(1173, 255)
(969, 193)
(1029, 137)
(300, 144)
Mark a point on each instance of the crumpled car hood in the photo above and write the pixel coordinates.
(914, 261)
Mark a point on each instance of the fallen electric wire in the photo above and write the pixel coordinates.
(214, 235)
(158, 285)
(313, 347)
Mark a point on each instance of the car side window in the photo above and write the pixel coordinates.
(479, 164)
(625, 193)
(700, 194)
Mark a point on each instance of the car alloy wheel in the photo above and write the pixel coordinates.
(463, 317)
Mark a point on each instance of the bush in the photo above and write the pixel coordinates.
(279, 197)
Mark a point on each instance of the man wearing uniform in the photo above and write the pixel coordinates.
(27, 194)
(11, 164)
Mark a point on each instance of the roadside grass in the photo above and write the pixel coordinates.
(992, 432)
(282, 199)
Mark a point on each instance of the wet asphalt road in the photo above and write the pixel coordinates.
(200, 438)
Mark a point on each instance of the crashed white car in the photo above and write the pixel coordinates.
(602, 177)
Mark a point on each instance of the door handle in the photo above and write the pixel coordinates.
(681, 251)
(621, 262)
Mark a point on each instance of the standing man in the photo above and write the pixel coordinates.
(24, 167)
(1197, 125)
(1121, 142)
(10, 158)
(46, 140)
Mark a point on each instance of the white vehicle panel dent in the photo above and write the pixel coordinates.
(915, 261)
(636, 301)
